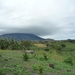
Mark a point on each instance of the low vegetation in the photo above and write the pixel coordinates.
(52, 58)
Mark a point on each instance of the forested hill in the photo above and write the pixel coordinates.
(21, 36)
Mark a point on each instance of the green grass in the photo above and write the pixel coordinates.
(12, 63)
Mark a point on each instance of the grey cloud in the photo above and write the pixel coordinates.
(42, 30)
(50, 18)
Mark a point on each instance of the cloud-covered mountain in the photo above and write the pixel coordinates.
(21, 36)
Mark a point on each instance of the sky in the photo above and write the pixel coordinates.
(46, 18)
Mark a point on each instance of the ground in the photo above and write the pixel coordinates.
(12, 63)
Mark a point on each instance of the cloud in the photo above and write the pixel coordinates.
(46, 18)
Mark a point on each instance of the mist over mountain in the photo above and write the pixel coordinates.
(21, 36)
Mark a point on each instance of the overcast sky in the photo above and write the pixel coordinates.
(46, 18)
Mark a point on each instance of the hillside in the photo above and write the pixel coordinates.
(58, 58)
(21, 36)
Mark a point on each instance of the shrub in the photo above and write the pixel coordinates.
(63, 45)
(40, 69)
(1, 72)
(69, 61)
(5, 59)
(45, 56)
(0, 55)
(18, 69)
(41, 58)
(46, 49)
(34, 67)
(25, 56)
(59, 49)
(35, 56)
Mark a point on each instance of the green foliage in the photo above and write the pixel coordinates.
(1, 72)
(25, 56)
(18, 69)
(52, 46)
(27, 44)
(12, 44)
(26, 73)
(63, 45)
(6, 59)
(17, 66)
(41, 42)
(46, 49)
(4, 43)
(0, 55)
(69, 73)
(35, 67)
(71, 41)
(69, 60)
(47, 45)
(40, 69)
(14, 62)
(45, 56)
(58, 49)
(41, 58)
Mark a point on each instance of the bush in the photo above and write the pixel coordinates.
(69, 61)
(41, 58)
(0, 55)
(34, 67)
(1, 72)
(40, 69)
(46, 49)
(18, 69)
(45, 56)
(25, 57)
(5, 59)
(63, 45)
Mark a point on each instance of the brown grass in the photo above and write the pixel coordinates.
(40, 45)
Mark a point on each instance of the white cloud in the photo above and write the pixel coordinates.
(47, 18)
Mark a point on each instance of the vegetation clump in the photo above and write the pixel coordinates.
(69, 60)
(25, 56)
(1, 72)
(55, 58)
(45, 56)
(46, 49)
(40, 69)
(52, 66)
(34, 67)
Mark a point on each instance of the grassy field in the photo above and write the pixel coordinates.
(12, 63)
(52, 58)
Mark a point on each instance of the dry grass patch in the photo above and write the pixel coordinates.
(40, 45)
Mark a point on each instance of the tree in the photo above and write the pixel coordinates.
(4, 44)
(63, 45)
(26, 44)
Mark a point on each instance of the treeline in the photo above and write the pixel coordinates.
(13, 44)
